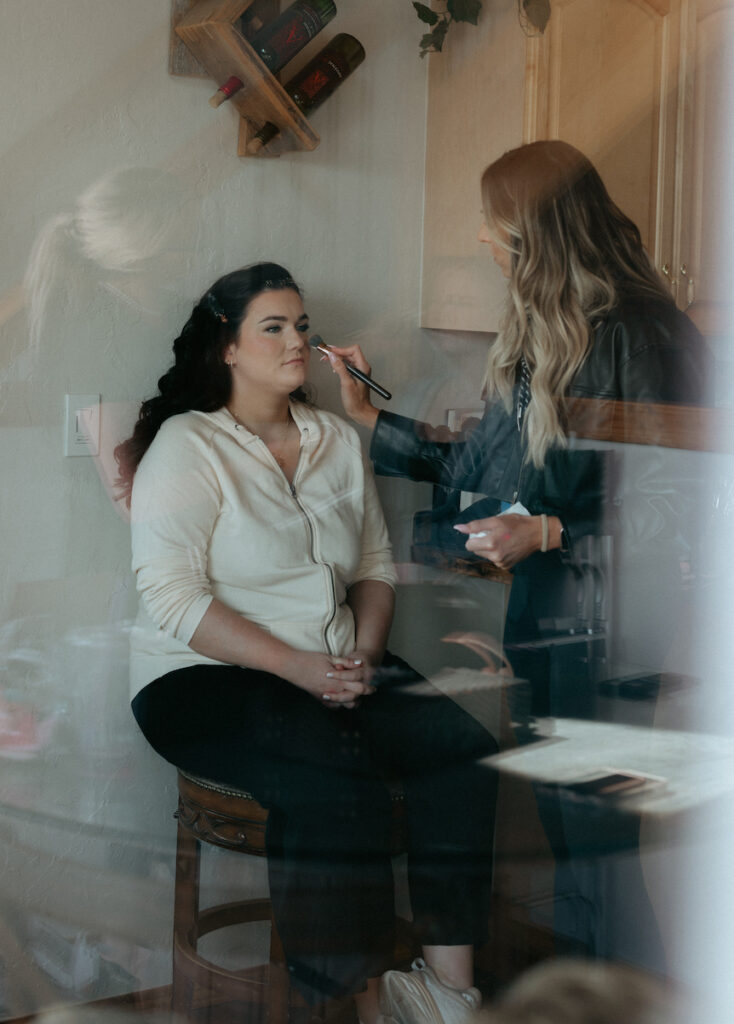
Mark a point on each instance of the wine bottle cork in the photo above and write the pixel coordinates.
(230, 87)
(254, 145)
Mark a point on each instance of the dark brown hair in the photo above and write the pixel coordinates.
(199, 378)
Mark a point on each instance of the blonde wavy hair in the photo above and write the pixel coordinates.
(573, 253)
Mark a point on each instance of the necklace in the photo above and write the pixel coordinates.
(276, 447)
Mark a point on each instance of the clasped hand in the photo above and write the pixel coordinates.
(337, 681)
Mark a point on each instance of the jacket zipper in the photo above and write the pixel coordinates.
(312, 541)
(519, 481)
(329, 573)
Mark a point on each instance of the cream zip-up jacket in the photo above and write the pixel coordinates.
(213, 516)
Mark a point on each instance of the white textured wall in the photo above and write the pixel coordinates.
(86, 94)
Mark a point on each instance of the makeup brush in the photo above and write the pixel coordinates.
(316, 341)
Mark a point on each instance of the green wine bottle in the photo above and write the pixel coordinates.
(316, 82)
(282, 39)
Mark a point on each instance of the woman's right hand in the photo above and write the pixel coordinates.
(355, 394)
(335, 681)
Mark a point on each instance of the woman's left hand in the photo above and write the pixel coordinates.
(504, 540)
(361, 667)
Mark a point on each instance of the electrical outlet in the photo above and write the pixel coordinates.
(81, 425)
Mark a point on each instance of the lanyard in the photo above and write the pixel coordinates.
(523, 397)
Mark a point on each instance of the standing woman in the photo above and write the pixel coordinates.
(258, 656)
(586, 315)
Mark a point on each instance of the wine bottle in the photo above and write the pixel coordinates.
(283, 38)
(316, 81)
(229, 88)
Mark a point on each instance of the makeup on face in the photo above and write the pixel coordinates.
(272, 341)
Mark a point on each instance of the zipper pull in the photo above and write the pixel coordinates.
(514, 497)
(293, 490)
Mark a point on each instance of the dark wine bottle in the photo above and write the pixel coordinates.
(282, 39)
(316, 81)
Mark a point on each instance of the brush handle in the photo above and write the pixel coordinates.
(368, 381)
(318, 342)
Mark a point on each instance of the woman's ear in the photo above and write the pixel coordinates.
(230, 355)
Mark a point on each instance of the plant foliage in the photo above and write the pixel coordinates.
(534, 15)
(456, 10)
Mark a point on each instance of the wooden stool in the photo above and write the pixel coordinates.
(212, 813)
(233, 819)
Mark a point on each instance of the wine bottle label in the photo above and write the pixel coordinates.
(317, 81)
(320, 81)
(294, 34)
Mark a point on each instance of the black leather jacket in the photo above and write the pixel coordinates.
(645, 350)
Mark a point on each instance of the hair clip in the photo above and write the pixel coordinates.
(282, 282)
(216, 309)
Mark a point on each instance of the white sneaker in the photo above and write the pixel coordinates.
(421, 998)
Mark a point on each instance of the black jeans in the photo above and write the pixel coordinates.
(323, 774)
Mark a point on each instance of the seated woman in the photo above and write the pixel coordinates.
(258, 657)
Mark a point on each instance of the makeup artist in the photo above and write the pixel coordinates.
(258, 656)
(586, 315)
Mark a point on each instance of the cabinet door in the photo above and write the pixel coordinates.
(604, 77)
(706, 216)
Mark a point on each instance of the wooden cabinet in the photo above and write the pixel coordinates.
(703, 250)
(604, 77)
(641, 86)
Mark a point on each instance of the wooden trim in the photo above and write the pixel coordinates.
(535, 104)
(692, 428)
(712, 318)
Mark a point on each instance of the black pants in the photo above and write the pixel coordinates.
(323, 774)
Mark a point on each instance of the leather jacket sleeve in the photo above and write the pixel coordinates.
(400, 447)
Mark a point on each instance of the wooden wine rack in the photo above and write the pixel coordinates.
(208, 29)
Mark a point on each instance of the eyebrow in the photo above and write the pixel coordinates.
(283, 319)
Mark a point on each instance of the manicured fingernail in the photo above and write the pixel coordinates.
(357, 661)
(325, 696)
(329, 675)
(482, 533)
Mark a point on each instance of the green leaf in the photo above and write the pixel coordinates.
(465, 10)
(432, 42)
(537, 12)
(425, 13)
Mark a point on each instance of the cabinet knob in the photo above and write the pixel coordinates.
(690, 285)
(673, 283)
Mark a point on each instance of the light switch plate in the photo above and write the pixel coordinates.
(81, 425)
